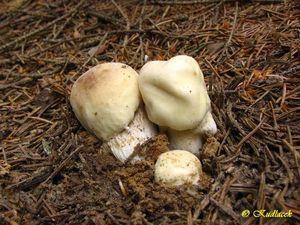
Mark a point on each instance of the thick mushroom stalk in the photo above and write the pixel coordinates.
(177, 167)
(175, 96)
(138, 131)
(193, 139)
(186, 139)
(106, 100)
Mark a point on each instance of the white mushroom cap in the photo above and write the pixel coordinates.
(174, 92)
(105, 100)
(177, 167)
(207, 126)
(176, 97)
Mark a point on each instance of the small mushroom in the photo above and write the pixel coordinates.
(177, 167)
(107, 102)
(176, 99)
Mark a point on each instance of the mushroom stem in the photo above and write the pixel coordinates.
(192, 140)
(186, 139)
(138, 131)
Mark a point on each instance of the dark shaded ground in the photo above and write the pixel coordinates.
(54, 172)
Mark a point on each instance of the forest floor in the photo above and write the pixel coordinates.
(52, 171)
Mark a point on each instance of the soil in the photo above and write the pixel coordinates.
(52, 171)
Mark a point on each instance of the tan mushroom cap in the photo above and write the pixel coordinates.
(174, 92)
(105, 98)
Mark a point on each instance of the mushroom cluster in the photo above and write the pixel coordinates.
(109, 101)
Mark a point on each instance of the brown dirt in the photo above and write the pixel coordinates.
(52, 171)
(210, 148)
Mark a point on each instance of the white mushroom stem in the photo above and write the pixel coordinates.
(186, 139)
(138, 131)
(192, 140)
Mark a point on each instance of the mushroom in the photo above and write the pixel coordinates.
(176, 99)
(177, 167)
(107, 102)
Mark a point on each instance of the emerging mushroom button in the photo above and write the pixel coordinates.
(177, 167)
(176, 98)
(107, 102)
